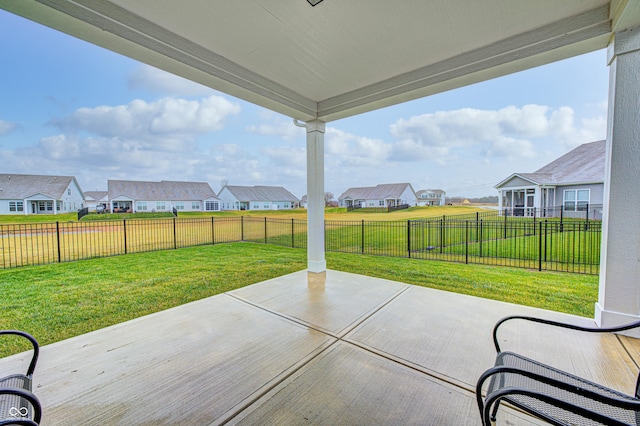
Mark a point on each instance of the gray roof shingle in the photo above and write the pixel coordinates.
(584, 164)
(378, 192)
(162, 191)
(261, 193)
(16, 186)
(95, 195)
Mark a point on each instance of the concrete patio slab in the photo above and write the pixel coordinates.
(308, 349)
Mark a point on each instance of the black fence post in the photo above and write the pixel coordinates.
(586, 225)
(213, 232)
(265, 230)
(58, 236)
(124, 230)
(409, 238)
(175, 237)
(442, 235)
(293, 239)
(505, 226)
(480, 235)
(466, 242)
(539, 247)
(362, 237)
(241, 228)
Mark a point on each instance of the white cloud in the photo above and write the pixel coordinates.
(507, 132)
(347, 150)
(153, 79)
(7, 127)
(165, 122)
(278, 126)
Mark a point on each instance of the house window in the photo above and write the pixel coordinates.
(381, 203)
(256, 206)
(576, 200)
(160, 206)
(211, 205)
(68, 191)
(45, 206)
(141, 205)
(58, 205)
(179, 205)
(195, 205)
(16, 206)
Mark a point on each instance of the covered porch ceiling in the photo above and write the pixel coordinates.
(339, 58)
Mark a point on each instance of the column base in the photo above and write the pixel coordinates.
(606, 318)
(317, 266)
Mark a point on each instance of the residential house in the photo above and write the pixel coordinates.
(38, 194)
(94, 200)
(384, 195)
(430, 197)
(139, 196)
(233, 197)
(572, 186)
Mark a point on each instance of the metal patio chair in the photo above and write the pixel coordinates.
(551, 394)
(18, 405)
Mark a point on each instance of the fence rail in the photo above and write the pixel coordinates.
(549, 244)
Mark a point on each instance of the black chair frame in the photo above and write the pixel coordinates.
(572, 387)
(24, 392)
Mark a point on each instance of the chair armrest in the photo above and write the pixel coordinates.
(495, 396)
(34, 343)
(629, 326)
(33, 400)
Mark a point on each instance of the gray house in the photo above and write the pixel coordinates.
(139, 196)
(38, 194)
(572, 186)
(384, 195)
(430, 197)
(233, 197)
(93, 199)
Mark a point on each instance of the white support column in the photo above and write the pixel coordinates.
(315, 197)
(619, 292)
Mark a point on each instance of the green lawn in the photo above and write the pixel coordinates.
(59, 301)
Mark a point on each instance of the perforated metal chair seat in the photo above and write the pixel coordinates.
(537, 388)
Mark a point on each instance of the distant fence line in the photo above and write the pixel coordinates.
(549, 244)
(387, 209)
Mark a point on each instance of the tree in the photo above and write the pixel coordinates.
(328, 196)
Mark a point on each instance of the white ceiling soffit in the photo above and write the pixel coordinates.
(339, 58)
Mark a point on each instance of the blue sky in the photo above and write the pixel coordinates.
(70, 108)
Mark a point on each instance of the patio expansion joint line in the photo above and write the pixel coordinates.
(284, 316)
(252, 399)
(416, 367)
(340, 337)
(627, 351)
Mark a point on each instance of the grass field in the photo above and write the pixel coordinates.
(58, 301)
(330, 214)
(424, 233)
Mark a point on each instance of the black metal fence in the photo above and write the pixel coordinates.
(549, 244)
